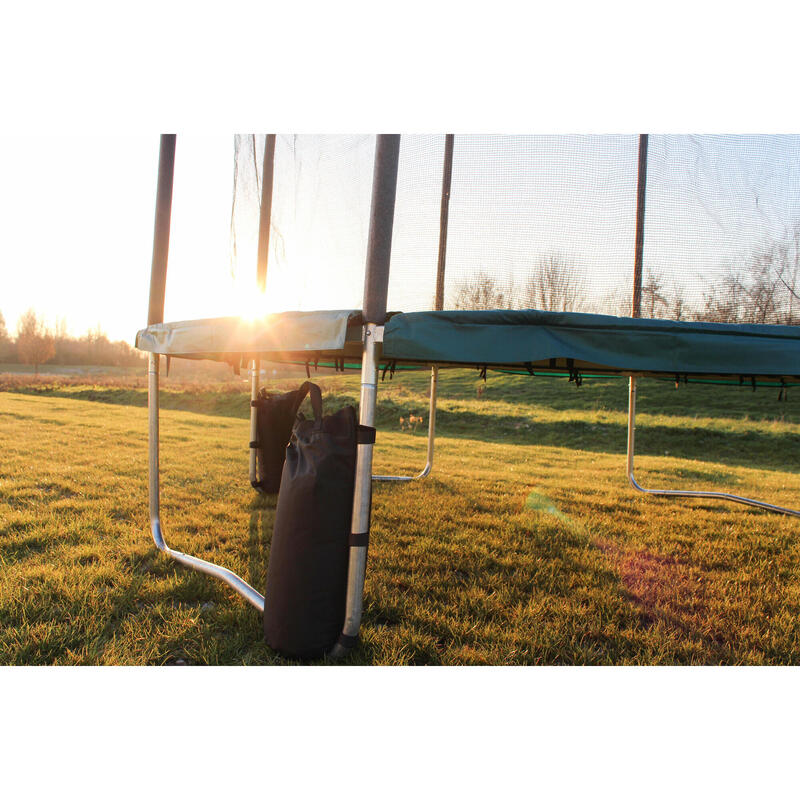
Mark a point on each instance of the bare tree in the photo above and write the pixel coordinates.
(552, 285)
(34, 342)
(616, 302)
(654, 302)
(677, 307)
(555, 285)
(764, 289)
(483, 293)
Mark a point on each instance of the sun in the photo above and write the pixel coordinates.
(251, 304)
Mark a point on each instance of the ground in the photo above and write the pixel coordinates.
(525, 546)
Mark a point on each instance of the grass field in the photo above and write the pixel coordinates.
(525, 546)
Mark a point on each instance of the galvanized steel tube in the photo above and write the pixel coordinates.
(255, 368)
(362, 494)
(733, 498)
(227, 576)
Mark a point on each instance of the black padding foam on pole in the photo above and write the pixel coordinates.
(379, 246)
(447, 176)
(265, 214)
(158, 268)
(641, 195)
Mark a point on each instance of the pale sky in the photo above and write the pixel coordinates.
(77, 218)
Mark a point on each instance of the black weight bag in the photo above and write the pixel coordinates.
(304, 602)
(275, 416)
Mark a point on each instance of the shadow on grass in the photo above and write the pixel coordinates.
(528, 394)
(262, 518)
(758, 449)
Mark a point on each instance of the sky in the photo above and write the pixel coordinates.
(77, 218)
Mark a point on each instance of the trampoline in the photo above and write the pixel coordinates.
(527, 342)
(524, 341)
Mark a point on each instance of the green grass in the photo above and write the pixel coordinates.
(525, 546)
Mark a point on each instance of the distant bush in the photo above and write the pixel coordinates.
(37, 344)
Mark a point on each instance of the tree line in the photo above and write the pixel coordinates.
(36, 344)
(762, 287)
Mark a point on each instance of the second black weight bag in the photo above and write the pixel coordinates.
(275, 416)
(304, 601)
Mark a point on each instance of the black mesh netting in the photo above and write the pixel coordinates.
(543, 222)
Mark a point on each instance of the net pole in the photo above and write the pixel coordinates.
(438, 303)
(376, 288)
(265, 216)
(636, 301)
(641, 191)
(379, 245)
(158, 267)
(447, 177)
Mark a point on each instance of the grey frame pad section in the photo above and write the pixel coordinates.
(291, 332)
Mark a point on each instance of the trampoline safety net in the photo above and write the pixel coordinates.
(543, 222)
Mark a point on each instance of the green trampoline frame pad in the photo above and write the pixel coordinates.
(544, 340)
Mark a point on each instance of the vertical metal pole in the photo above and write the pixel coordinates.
(264, 227)
(438, 303)
(362, 501)
(265, 216)
(231, 578)
(376, 286)
(636, 300)
(431, 422)
(255, 366)
(153, 474)
(158, 268)
(631, 427)
(641, 192)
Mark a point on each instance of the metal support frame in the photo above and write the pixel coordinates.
(376, 285)
(438, 305)
(255, 368)
(375, 293)
(431, 439)
(684, 492)
(362, 496)
(225, 575)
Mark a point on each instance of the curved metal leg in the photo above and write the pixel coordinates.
(431, 438)
(684, 492)
(231, 578)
